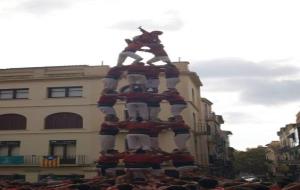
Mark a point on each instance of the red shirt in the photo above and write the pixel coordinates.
(108, 129)
(158, 159)
(147, 38)
(152, 72)
(137, 159)
(174, 98)
(140, 125)
(137, 69)
(180, 128)
(158, 50)
(154, 131)
(107, 100)
(182, 158)
(111, 159)
(135, 96)
(115, 72)
(133, 47)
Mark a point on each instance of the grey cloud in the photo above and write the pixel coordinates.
(228, 68)
(256, 83)
(172, 22)
(270, 92)
(238, 117)
(43, 6)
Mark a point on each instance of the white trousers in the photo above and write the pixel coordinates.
(165, 59)
(136, 79)
(153, 112)
(137, 141)
(110, 83)
(107, 110)
(172, 82)
(176, 109)
(107, 142)
(152, 83)
(180, 140)
(137, 109)
(123, 55)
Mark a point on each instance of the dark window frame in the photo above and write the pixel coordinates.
(60, 121)
(14, 93)
(208, 129)
(13, 121)
(10, 145)
(193, 95)
(65, 159)
(67, 91)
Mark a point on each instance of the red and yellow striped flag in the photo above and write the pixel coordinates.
(50, 162)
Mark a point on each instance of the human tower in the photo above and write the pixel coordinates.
(142, 101)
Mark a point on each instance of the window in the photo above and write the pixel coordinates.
(193, 95)
(194, 121)
(208, 129)
(63, 92)
(8, 94)
(63, 120)
(9, 148)
(64, 149)
(12, 122)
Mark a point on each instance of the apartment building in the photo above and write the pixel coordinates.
(52, 111)
(272, 155)
(289, 152)
(217, 143)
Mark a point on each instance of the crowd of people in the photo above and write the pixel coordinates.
(169, 181)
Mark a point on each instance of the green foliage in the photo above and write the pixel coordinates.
(252, 161)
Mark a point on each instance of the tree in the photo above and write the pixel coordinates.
(252, 161)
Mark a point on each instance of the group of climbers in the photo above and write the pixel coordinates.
(142, 101)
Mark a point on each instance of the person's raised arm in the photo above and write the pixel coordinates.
(143, 31)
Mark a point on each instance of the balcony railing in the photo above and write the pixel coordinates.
(36, 160)
(11, 160)
(292, 162)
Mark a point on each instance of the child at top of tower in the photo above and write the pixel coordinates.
(159, 54)
(148, 37)
(129, 51)
(145, 39)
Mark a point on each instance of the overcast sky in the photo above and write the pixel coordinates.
(246, 52)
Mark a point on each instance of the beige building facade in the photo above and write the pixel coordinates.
(217, 140)
(53, 111)
(289, 151)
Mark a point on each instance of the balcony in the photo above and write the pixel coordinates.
(200, 129)
(36, 160)
(11, 160)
